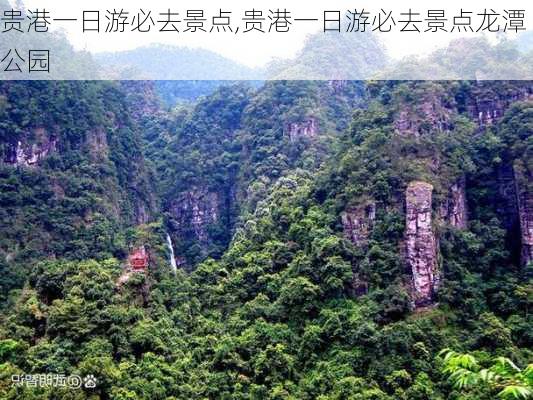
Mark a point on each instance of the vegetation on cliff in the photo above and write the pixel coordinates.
(288, 307)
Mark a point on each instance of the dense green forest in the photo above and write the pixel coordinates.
(335, 240)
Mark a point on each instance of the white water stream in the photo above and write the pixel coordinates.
(172, 256)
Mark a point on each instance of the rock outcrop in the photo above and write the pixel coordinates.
(357, 222)
(526, 226)
(525, 215)
(429, 114)
(514, 205)
(197, 209)
(97, 144)
(304, 129)
(453, 210)
(25, 153)
(487, 105)
(507, 207)
(421, 243)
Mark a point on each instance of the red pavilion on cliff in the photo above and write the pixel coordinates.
(139, 259)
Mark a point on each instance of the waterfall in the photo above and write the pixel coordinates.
(172, 256)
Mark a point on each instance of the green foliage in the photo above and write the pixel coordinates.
(78, 201)
(287, 308)
(502, 376)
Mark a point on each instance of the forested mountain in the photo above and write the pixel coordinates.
(72, 172)
(331, 237)
(218, 157)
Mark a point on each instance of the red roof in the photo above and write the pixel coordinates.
(139, 258)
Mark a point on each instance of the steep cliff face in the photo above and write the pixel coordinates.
(97, 144)
(431, 112)
(357, 222)
(421, 243)
(513, 197)
(430, 108)
(525, 214)
(489, 101)
(229, 149)
(428, 113)
(23, 152)
(525, 201)
(196, 209)
(75, 148)
(31, 148)
(487, 104)
(453, 210)
(201, 221)
(305, 129)
(507, 206)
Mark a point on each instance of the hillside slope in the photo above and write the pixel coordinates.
(366, 237)
(72, 174)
